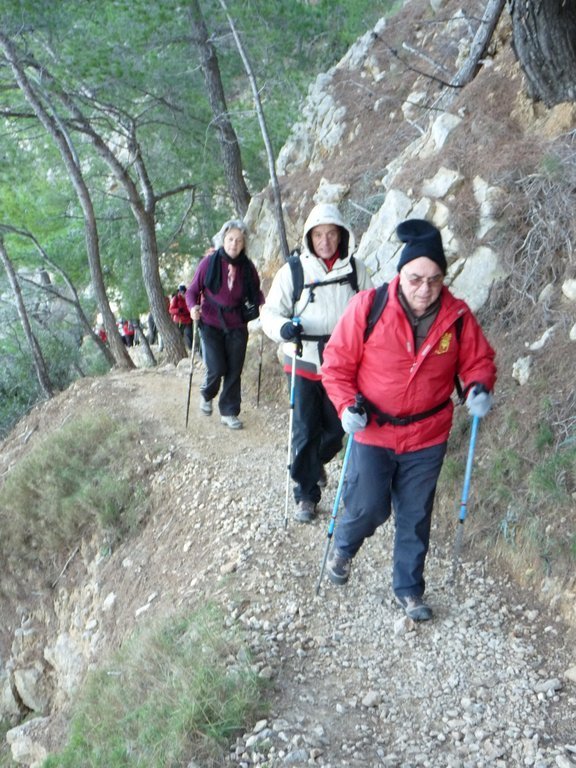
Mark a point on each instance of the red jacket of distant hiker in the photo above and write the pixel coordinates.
(388, 372)
(179, 310)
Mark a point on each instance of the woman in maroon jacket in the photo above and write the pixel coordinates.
(405, 371)
(225, 283)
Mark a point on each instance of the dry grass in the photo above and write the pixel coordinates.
(77, 480)
(176, 694)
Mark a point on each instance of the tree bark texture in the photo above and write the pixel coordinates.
(37, 357)
(229, 145)
(544, 33)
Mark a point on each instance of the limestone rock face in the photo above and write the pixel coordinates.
(334, 120)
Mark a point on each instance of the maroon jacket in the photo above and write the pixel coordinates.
(231, 298)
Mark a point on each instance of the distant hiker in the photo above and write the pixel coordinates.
(120, 325)
(181, 315)
(152, 329)
(129, 331)
(153, 335)
(224, 296)
(405, 369)
(315, 287)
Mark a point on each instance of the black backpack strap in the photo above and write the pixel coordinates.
(378, 304)
(297, 275)
(354, 275)
(459, 391)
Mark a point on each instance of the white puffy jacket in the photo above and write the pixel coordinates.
(320, 308)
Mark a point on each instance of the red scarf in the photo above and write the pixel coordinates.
(331, 261)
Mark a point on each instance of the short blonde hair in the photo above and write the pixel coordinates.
(218, 238)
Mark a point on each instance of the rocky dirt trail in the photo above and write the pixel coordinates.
(489, 682)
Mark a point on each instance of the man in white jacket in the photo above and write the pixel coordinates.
(326, 278)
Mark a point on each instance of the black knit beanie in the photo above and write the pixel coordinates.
(422, 239)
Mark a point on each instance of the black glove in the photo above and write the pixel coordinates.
(291, 331)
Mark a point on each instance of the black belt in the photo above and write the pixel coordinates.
(402, 421)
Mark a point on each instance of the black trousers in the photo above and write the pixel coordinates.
(187, 333)
(316, 436)
(224, 354)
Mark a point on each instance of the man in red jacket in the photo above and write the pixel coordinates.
(181, 315)
(405, 370)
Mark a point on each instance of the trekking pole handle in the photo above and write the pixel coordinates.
(358, 406)
(297, 323)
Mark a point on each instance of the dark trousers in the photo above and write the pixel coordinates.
(379, 479)
(187, 333)
(224, 354)
(316, 436)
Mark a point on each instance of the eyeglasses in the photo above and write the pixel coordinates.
(417, 281)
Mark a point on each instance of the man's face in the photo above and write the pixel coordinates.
(325, 240)
(234, 242)
(421, 282)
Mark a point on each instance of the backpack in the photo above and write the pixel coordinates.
(298, 284)
(378, 304)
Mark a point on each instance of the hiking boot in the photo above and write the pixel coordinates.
(305, 511)
(231, 421)
(415, 608)
(206, 406)
(338, 567)
(323, 479)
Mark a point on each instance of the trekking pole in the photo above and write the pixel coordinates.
(465, 492)
(332, 524)
(297, 350)
(260, 353)
(194, 333)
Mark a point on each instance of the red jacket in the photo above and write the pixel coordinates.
(398, 381)
(179, 310)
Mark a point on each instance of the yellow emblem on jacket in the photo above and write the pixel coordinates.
(444, 344)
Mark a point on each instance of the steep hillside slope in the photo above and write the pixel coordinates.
(489, 682)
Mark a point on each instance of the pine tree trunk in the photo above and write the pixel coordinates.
(226, 135)
(545, 44)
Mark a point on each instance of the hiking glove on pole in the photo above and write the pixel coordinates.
(479, 401)
(353, 420)
(291, 331)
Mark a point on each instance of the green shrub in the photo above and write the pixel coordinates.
(552, 478)
(174, 693)
(544, 436)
